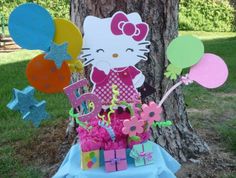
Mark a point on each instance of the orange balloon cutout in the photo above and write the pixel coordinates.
(44, 75)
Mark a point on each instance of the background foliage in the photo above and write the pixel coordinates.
(57, 8)
(196, 15)
(206, 15)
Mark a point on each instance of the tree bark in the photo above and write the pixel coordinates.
(162, 16)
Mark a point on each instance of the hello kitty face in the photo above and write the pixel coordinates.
(117, 42)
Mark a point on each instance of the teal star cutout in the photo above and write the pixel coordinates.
(22, 100)
(58, 53)
(37, 113)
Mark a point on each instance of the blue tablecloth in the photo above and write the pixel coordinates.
(164, 166)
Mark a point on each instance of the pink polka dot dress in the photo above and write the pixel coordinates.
(122, 77)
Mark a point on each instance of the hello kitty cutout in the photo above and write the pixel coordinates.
(114, 46)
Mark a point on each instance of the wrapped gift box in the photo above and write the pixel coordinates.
(142, 154)
(115, 160)
(90, 160)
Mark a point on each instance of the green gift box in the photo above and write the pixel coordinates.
(142, 154)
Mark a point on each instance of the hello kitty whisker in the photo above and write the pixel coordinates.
(85, 48)
(87, 62)
(141, 56)
(146, 50)
(144, 43)
(84, 56)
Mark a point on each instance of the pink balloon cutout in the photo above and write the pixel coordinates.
(210, 72)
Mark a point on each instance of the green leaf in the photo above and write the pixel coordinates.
(162, 124)
(134, 138)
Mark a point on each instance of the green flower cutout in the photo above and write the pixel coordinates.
(172, 72)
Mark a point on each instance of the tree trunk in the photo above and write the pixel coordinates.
(162, 16)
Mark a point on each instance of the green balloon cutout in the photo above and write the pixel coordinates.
(185, 51)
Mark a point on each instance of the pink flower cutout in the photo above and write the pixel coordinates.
(132, 126)
(151, 112)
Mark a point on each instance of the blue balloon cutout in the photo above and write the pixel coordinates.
(31, 27)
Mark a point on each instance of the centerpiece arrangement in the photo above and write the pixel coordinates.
(113, 122)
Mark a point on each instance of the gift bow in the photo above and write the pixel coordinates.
(145, 155)
(185, 79)
(115, 161)
(120, 25)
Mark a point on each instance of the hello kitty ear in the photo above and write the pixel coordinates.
(134, 17)
(90, 22)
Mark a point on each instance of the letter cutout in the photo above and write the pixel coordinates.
(77, 101)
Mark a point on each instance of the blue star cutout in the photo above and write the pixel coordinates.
(22, 100)
(37, 113)
(58, 53)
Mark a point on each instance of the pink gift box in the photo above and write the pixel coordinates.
(115, 160)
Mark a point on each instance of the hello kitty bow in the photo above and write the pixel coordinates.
(120, 25)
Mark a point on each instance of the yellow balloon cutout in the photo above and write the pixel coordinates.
(66, 31)
(75, 66)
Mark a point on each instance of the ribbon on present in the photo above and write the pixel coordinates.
(146, 156)
(115, 161)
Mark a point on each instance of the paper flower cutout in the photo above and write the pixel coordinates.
(37, 113)
(22, 100)
(132, 126)
(151, 112)
(58, 53)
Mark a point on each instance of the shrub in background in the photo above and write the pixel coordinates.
(206, 15)
(57, 8)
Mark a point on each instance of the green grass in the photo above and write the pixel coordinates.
(228, 132)
(12, 128)
(209, 35)
(217, 107)
(10, 167)
(15, 131)
(230, 176)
